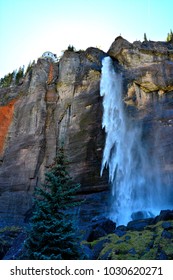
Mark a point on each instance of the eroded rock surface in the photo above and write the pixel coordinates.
(57, 103)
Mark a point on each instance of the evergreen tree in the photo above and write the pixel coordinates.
(145, 37)
(7, 80)
(29, 67)
(71, 48)
(170, 37)
(19, 75)
(52, 234)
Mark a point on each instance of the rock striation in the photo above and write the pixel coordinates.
(56, 103)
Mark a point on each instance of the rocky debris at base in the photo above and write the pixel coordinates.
(150, 238)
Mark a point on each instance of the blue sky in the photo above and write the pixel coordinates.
(30, 27)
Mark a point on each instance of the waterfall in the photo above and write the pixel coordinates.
(133, 174)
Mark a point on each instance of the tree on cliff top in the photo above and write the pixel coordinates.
(145, 37)
(52, 234)
(170, 37)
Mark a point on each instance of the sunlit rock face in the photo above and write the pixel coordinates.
(58, 103)
(79, 113)
(148, 68)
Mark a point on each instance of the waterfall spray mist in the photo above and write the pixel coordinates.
(133, 174)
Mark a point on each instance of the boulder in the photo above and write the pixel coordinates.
(164, 215)
(139, 225)
(101, 228)
(140, 53)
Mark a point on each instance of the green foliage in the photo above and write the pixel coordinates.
(52, 234)
(11, 78)
(19, 75)
(15, 76)
(71, 48)
(7, 80)
(169, 36)
(145, 37)
(29, 67)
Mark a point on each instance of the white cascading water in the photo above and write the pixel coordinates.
(134, 176)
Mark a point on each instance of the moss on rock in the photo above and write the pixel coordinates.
(138, 245)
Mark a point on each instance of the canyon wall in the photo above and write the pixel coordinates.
(60, 103)
(56, 104)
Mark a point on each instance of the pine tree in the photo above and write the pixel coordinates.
(52, 234)
(29, 67)
(7, 80)
(145, 37)
(19, 75)
(170, 37)
(71, 48)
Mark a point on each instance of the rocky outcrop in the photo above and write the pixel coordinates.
(148, 68)
(57, 103)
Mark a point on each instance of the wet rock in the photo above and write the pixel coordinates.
(164, 215)
(141, 215)
(139, 224)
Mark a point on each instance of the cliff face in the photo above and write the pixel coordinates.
(57, 103)
(60, 103)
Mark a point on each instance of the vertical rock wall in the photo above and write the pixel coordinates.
(58, 103)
